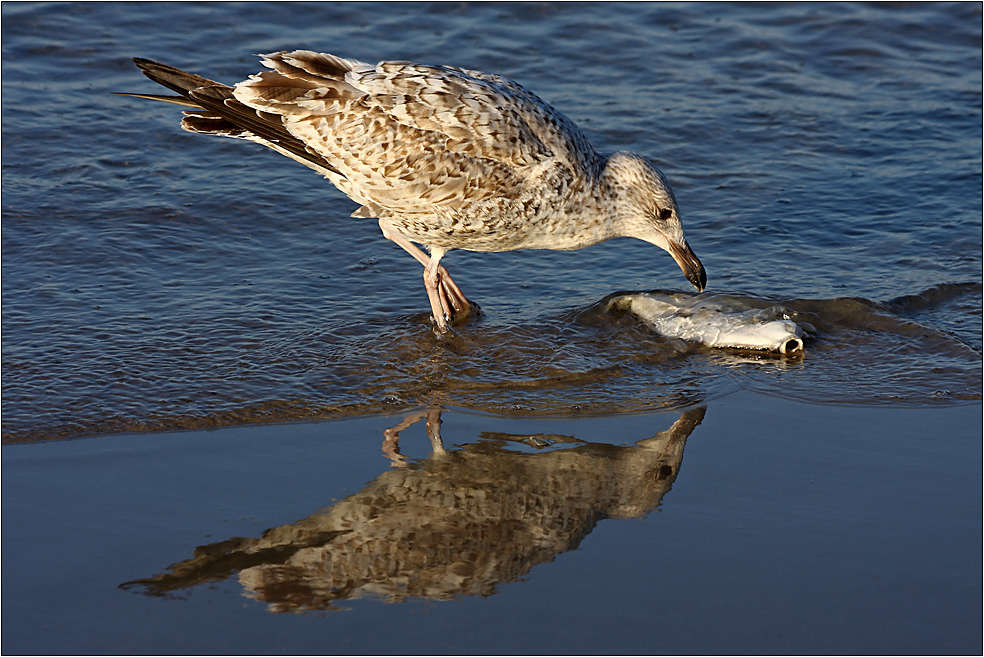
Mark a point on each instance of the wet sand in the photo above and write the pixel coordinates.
(781, 527)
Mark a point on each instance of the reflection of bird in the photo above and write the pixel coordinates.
(444, 157)
(457, 523)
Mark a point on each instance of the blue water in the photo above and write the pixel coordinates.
(825, 157)
(827, 161)
(847, 531)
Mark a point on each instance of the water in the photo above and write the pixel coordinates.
(827, 162)
(783, 527)
(464, 522)
(825, 157)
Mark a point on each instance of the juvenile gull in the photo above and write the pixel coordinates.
(445, 157)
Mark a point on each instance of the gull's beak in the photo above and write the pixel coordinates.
(692, 269)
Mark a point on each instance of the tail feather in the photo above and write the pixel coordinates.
(173, 78)
(177, 100)
(223, 115)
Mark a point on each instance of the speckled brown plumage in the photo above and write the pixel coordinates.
(444, 157)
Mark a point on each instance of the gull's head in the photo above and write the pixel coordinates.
(646, 209)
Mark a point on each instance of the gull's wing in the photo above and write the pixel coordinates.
(408, 137)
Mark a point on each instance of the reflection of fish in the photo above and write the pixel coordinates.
(714, 321)
(457, 523)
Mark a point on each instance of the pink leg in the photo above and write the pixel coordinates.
(450, 298)
(440, 308)
(454, 294)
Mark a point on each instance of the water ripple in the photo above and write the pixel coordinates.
(827, 158)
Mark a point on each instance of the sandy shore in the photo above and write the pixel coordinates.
(782, 527)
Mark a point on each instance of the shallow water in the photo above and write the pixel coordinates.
(827, 161)
(826, 158)
(782, 527)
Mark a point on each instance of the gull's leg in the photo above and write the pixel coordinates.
(452, 297)
(454, 294)
(440, 307)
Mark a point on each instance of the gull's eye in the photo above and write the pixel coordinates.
(665, 214)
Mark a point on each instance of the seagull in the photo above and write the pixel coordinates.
(443, 157)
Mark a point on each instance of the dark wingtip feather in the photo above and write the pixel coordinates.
(227, 116)
(177, 100)
(171, 77)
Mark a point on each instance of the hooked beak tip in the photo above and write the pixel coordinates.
(699, 281)
(690, 264)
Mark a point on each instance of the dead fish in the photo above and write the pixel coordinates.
(714, 321)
